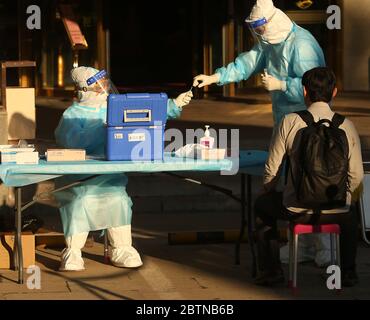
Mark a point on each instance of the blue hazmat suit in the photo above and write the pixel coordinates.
(285, 51)
(101, 202)
(287, 61)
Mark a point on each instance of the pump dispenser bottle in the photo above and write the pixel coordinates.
(207, 140)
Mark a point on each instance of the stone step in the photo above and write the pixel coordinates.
(184, 203)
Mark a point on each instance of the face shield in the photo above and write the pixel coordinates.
(100, 83)
(258, 28)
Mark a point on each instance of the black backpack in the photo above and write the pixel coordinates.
(320, 169)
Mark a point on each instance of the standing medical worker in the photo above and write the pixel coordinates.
(100, 203)
(285, 50)
(282, 53)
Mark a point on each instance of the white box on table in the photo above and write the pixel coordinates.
(213, 154)
(9, 155)
(27, 157)
(65, 155)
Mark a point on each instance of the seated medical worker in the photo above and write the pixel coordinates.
(100, 203)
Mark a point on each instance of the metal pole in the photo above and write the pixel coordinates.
(295, 250)
(18, 239)
(106, 247)
(360, 208)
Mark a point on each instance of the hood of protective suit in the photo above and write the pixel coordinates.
(279, 25)
(89, 98)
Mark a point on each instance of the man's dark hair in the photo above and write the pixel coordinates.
(319, 83)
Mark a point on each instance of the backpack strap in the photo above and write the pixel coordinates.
(307, 117)
(337, 120)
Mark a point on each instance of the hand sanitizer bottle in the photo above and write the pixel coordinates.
(207, 140)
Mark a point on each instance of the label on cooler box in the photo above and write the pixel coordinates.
(118, 136)
(134, 137)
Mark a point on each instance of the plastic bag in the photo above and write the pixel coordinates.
(190, 151)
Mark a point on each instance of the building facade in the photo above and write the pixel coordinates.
(162, 45)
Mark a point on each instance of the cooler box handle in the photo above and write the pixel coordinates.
(138, 96)
(132, 115)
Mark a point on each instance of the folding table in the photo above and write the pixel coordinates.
(19, 176)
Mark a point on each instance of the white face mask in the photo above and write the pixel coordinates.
(92, 99)
(272, 36)
(277, 29)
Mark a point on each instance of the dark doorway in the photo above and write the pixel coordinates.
(151, 44)
(9, 49)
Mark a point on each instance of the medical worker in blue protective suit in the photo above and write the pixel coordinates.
(282, 53)
(102, 202)
(283, 49)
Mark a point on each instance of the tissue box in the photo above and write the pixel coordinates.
(65, 155)
(213, 154)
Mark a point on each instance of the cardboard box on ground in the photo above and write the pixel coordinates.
(7, 240)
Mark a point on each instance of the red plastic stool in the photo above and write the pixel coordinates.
(295, 231)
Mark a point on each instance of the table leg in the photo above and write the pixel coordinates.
(250, 220)
(106, 247)
(243, 220)
(18, 238)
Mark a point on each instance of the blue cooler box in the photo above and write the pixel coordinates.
(135, 126)
(137, 109)
(135, 143)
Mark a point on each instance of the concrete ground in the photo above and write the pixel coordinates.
(163, 205)
(186, 272)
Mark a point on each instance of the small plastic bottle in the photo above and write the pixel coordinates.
(207, 140)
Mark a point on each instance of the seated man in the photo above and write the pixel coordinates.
(300, 200)
(100, 203)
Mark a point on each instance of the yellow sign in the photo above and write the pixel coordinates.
(304, 4)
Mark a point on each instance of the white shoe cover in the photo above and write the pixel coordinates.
(126, 257)
(311, 247)
(71, 260)
(72, 256)
(123, 254)
(323, 256)
(304, 254)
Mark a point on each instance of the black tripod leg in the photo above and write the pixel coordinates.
(251, 226)
(243, 220)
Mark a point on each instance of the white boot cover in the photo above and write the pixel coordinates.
(123, 254)
(71, 255)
